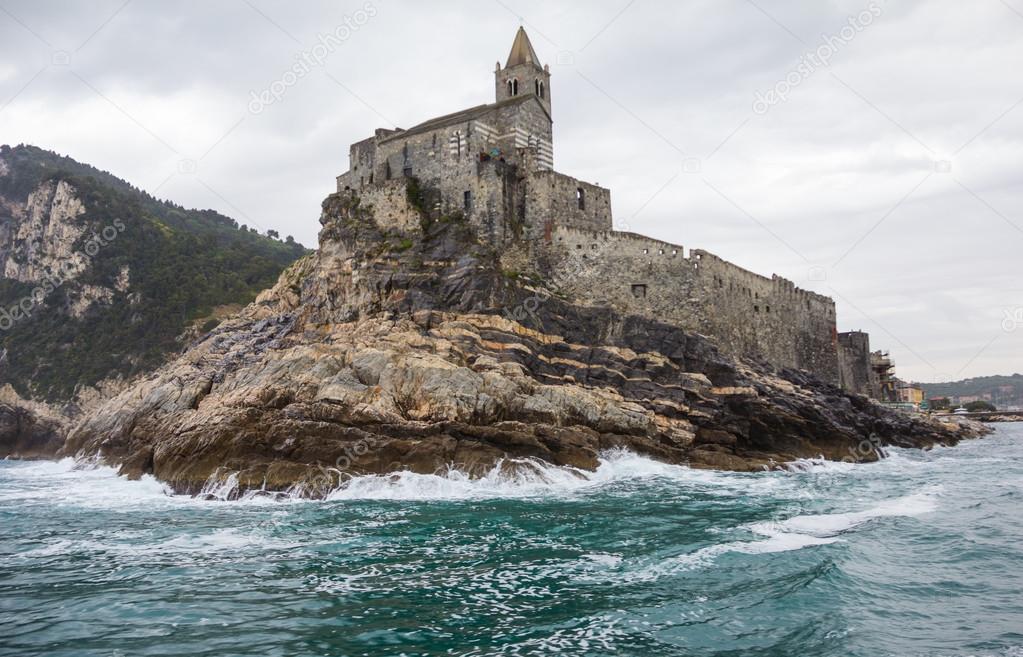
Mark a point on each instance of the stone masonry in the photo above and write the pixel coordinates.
(494, 165)
(854, 370)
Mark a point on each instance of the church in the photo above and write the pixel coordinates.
(493, 164)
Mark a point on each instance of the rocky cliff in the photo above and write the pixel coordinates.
(29, 430)
(41, 234)
(397, 349)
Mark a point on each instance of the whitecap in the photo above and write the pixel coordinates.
(524, 478)
(833, 524)
(796, 533)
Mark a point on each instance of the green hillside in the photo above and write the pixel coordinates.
(182, 263)
(1002, 391)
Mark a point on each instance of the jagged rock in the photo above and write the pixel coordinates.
(367, 357)
(28, 430)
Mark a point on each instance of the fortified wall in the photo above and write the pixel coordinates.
(854, 363)
(743, 312)
(863, 371)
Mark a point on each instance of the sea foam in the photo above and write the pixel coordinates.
(507, 478)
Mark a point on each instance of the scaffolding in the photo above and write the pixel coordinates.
(882, 379)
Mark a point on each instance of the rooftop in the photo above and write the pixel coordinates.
(461, 116)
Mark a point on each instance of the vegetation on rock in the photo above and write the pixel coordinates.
(179, 264)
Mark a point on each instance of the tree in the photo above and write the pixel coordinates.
(289, 239)
(273, 234)
(979, 406)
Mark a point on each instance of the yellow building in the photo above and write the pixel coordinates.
(910, 394)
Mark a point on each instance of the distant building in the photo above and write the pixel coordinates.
(909, 393)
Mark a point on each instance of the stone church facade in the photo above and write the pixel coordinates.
(494, 164)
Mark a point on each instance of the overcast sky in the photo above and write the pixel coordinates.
(888, 178)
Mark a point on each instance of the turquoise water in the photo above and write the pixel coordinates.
(921, 554)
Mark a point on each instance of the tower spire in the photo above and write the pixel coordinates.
(523, 75)
(522, 51)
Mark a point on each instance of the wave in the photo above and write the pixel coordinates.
(526, 478)
(833, 524)
(92, 485)
(519, 478)
(78, 483)
(796, 533)
(222, 543)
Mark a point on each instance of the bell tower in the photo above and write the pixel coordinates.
(523, 74)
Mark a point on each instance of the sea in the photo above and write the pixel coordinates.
(918, 555)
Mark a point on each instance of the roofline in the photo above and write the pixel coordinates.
(456, 117)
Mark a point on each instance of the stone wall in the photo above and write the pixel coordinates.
(498, 209)
(362, 162)
(770, 317)
(390, 204)
(745, 313)
(854, 363)
(444, 158)
(538, 211)
(567, 202)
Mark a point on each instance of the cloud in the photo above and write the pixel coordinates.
(894, 168)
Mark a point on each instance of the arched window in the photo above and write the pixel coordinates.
(513, 87)
(539, 88)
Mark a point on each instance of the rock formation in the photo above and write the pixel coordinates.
(29, 430)
(43, 235)
(393, 349)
